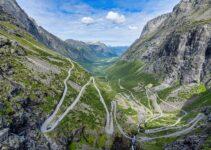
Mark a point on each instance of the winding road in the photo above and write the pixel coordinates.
(182, 130)
(169, 127)
(133, 97)
(198, 118)
(153, 98)
(109, 121)
(44, 127)
(194, 122)
(49, 125)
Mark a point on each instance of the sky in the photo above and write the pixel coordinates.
(113, 22)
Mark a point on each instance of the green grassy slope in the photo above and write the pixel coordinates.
(129, 74)
(133, 79)
(22, 66)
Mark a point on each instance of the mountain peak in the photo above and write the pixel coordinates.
(186, 6)
(97, 43)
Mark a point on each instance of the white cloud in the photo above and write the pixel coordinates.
(115, 17)
(87, 20)
(133, 27)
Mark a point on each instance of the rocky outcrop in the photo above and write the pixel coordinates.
(189, 143)
(177, 45)
(152, 25)
(18, 16)
(21, 115)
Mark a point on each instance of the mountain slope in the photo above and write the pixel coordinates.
(49, 102)
(177, 45)
(164, 79)
(31, 79)
(86, 54)
(17, 16)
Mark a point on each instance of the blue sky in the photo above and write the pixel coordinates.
(114, 22)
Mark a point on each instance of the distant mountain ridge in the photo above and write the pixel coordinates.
(97, 49)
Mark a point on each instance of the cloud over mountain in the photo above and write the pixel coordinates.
(115, 17)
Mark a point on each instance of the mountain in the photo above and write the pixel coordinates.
(34, 81)
(17, 16)
(107, 51)
(79, 51)
(157, 96)
(97, 49)
(167, 71)
(98, 55)
(177, 45)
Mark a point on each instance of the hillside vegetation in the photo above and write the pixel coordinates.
(32, 84)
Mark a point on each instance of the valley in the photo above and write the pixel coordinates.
(99, 66)
(70, 94)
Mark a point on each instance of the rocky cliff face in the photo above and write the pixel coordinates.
(20, 113)
(18, 16)
(177, 45)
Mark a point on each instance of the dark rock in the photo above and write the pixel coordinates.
(1, 106)
(3, 41)
(26, 102)
(7, 69)
(189, 143)
(14, 142)
(206, 110)
(120, 143)
(15, 32)
(19, 123)
(209, 118)
(16, 89)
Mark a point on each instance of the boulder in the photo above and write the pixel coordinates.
(3, 41)
(209, 118)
